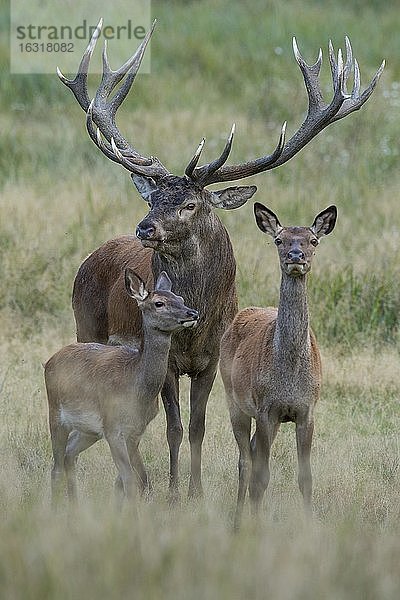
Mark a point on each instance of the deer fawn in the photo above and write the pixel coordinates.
(182, 234)
(97, 391)
(270, 362)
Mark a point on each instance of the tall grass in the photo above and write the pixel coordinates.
(213, 63)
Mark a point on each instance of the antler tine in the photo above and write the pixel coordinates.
(111, 78)
(202, 174)
(78, 85)
(193, 161)
(132, 65)
(338, 80)
(349, 61)
(357, 80)
(311, 77)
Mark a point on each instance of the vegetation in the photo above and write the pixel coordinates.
(213, 62)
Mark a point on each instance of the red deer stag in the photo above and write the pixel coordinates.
(97, 391)
(182, 235)
(270, 362)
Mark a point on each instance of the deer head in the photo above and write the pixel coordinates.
(162, 309)
(296, 245)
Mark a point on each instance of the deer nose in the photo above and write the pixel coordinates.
(145, 231)
(296, 255)
(193, 314)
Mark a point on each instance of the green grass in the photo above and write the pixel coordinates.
(213, 63)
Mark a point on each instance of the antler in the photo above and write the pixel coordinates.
(319, 116)
(101, 111)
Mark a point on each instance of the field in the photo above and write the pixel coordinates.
(214, 62)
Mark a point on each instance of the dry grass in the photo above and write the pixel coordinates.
(348, 551)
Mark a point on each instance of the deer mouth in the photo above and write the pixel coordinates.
(296, 268)
(190, 323)
(152, 243)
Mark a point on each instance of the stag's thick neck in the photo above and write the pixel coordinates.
(292, 334)
(204, 263)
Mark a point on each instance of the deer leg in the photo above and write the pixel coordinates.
(260, 474)
(59, 437)
(241, 426)
(170, 397)
(143, 480)
(77, 443)
(120, 455)
(200, 389)
(304, 434)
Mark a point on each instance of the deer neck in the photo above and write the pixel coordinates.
(204, 269)
(153, 362)
(202, 242)
(292, 334)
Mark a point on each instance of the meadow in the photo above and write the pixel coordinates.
(214, 62)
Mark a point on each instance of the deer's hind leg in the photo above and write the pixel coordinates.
(59, 436)
(77, 443)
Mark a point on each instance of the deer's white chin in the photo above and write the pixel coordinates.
(189, 324)
(295, 269)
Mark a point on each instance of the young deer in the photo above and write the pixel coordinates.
(270, 362)
(97, 391)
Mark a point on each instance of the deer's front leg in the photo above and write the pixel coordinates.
(266, 429)
(199, 392)
(170, 398)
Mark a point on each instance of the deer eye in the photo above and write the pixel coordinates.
(159, 304)
(277, 241)
(190, 206)
(314, 242)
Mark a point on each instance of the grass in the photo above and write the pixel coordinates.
(212, 63)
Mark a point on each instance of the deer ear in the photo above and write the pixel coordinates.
(266, 220)
(232, 197)
(325, 221)
(144, 185)
(135, 285)
(164, 283)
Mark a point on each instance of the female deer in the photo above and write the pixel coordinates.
(97, 391)
(270, 362)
